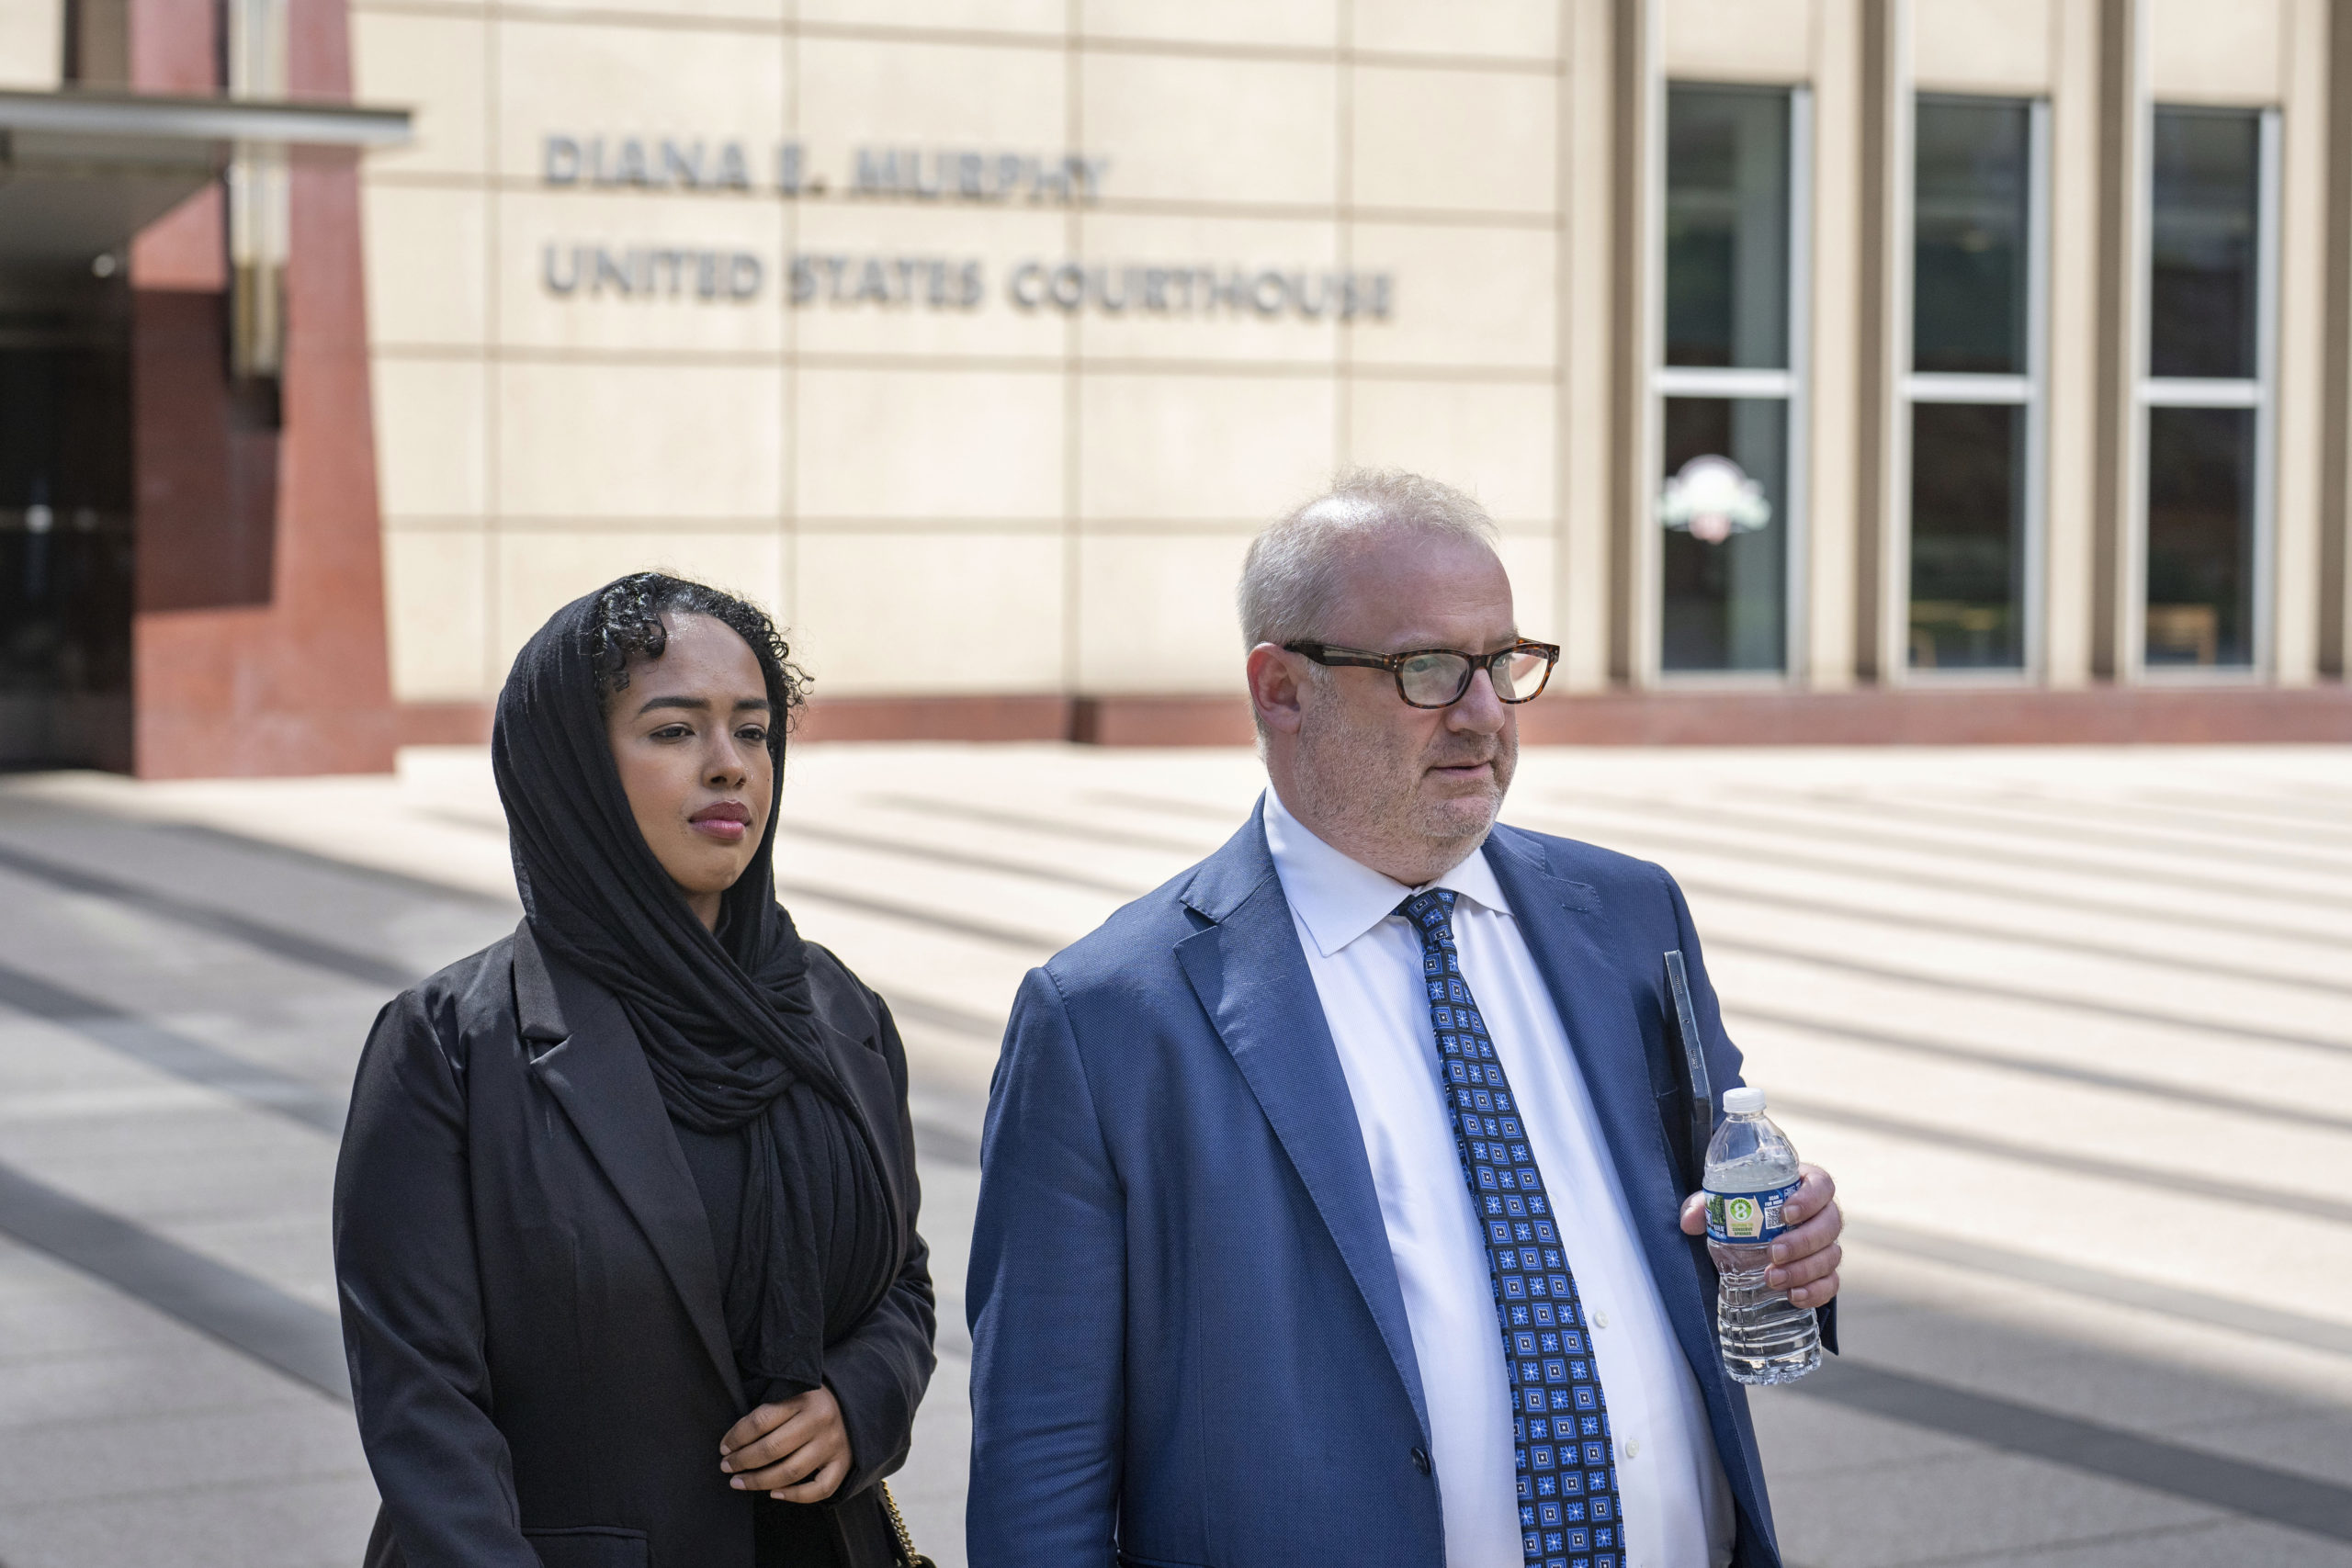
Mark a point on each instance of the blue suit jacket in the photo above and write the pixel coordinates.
(1189, 1344)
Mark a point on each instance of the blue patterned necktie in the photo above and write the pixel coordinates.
(1568, 1475)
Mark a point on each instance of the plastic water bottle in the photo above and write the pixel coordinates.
(1751, 1171)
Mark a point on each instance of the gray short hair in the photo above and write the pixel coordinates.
(1292, 568)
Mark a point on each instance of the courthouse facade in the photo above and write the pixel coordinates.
(1835, 369)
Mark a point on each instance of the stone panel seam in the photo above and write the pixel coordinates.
(2169, 1300)
(933, 363)
(1072, 41)
(1532, 220)
(246, 1314)
(2177, 1469)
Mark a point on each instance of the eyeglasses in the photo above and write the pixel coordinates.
(1440, 677)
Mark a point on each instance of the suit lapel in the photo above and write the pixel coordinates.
(1601, 1005)
(585, 1053)
(1251, 975)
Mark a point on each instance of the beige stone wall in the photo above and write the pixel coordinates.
(946, 483)
(32, 43)
(996, 497)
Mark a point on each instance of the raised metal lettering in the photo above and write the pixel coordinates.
(622, 277)
(562, 166)
(680, 164)
(878, 171)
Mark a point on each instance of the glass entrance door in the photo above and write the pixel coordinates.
(65, 539)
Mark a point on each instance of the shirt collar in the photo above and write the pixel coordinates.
(1339, 899)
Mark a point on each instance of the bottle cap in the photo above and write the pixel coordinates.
(1743, 1101)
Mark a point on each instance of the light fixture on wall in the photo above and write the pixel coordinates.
(1711, 497)
(258, 227)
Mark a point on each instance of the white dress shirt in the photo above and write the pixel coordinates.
(1366, 962)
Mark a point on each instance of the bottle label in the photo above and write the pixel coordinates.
(1747, 1216)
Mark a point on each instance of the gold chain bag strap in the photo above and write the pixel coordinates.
(908, 1556)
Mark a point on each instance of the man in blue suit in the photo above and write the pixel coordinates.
(1329, 1209)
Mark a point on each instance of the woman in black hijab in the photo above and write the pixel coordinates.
(625, 1217)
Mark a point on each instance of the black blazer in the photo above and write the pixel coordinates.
(530, 1299)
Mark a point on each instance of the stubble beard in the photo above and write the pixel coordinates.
(1370, 798)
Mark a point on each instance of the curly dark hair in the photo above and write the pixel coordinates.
(627, 625)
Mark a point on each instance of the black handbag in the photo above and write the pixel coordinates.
(908, 1556)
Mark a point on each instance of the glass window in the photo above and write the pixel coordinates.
(1968, 536)
(1968, 240)
(2207, 397)
(1974, 393)
(1726, 562)
(1727, 383)
(1727, 227)
(2202, 240)
(2200, 548)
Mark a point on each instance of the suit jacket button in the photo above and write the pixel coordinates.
(1421, 1459)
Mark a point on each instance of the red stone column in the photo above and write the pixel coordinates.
(258, 637)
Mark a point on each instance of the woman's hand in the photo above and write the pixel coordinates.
(798, 1450)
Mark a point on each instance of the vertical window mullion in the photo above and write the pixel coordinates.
(2260, 651)
(2034, 646)
(1796, 542)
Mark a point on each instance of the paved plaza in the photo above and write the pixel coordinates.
(2072, 1028)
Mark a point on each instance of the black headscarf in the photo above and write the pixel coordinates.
(726, 1020)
